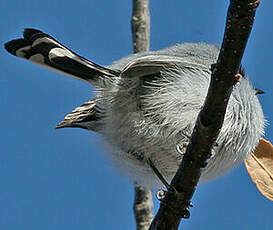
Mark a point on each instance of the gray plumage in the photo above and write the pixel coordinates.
(146, 106)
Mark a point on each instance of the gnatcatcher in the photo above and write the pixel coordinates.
(146, 105)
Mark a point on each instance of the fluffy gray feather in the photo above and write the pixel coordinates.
(155, 114)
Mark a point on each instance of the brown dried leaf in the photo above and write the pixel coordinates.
(259, 165)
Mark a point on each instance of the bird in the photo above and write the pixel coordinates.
(146, 105)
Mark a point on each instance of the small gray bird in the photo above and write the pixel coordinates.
(146, 105)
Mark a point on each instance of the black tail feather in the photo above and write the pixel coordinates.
(42, 49)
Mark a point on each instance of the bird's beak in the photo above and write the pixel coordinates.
(258, 91)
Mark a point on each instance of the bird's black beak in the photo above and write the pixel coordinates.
(258, 91)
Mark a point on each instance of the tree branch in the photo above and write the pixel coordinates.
(143, 207)
(143, 203)
(141, 25)
(239, 23)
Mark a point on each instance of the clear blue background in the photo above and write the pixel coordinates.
(62, 179)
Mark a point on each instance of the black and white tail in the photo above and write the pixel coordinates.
(42, 49)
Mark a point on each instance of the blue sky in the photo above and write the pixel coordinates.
(62, 179)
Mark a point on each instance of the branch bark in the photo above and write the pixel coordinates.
(141, 25)
(143, 208)
(239, 23)
(143, 203)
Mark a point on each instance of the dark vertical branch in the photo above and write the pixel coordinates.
(239, 23)
(143, 203)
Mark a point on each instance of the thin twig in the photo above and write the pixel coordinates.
(143, 203)
(143, 207)
(141, 25)
(239, 22)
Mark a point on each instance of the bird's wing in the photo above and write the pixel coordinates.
(154, 64)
